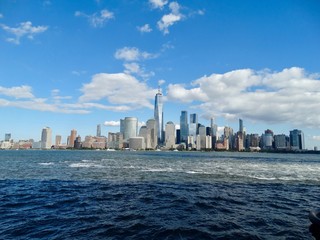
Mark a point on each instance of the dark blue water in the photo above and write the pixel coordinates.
(156, 195)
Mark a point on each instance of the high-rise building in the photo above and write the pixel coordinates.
(158, 116)
(130, 125)
(240, 125)
(184, 129)
(99, 130)
(170, 135)
(152, 139)
(296, 140)
(72, 138)
(193, 126)
(46, 138)
(281, 141)
(58, 140)
(267, 138)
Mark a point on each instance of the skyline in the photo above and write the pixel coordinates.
(75, 65)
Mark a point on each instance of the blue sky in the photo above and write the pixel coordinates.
(76, 64)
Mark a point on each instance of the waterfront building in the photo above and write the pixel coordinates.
(170, 138)
(267, 139)
(136, 143)
(152, 140)
(98, 130)
(178, 136)
(58, 140)
(191, 142)
(201, 141)
(77, 143)
(158, 116)
(281, 141)
(130, 126)
(214, 132)
(184, 128)
(296, 140)
(115, 140)
(72, 138)
(46, 138)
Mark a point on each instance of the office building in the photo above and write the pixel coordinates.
(158, 116)
(297, 140)
(72, 138)
(193, 126)
(130, 127)
(170, 138)
(152, 140)
(7, 137)
(98, 130)
(184, 128)
(46, 138)
(58, 140)
(136, 143)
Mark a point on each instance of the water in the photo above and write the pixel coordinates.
(156, 195)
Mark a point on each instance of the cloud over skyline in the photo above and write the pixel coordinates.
(288, 96)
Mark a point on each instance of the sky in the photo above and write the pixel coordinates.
(75, 64)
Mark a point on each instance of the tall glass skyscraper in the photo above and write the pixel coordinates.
(184, 129)
(297, 140)
(193, 127)
(158, 116)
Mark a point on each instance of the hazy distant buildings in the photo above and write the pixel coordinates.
(46, 138)
(158, 116)
(7, 137)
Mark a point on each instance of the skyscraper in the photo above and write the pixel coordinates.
(297, 140)
(158, 116)
(184, 129)
(46, 138)
(193, 127)
(99, 130)
(130, 125)
(170, 135)
(152, 134)
(72, 138)
(240, 125)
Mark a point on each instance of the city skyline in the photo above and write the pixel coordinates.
(75, 65)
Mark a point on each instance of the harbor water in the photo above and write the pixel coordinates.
(156, 195)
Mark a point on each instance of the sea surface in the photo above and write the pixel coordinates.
(156, 195)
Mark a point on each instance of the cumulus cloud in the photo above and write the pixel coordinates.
(118, 89)
(17, 92)
(288, 96)
(24, 29)
(132, 54)
(97, 19)
(158, 3)
(136, 69)
(145, 28)
(170, 19)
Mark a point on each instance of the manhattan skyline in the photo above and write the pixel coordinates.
(74, 65)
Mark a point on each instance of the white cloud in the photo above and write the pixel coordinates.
(161, 82)
(170, 19)
(145, 28)
(112, 123)
(1, 15)
(136, 69)
(97, 19)
(289, 96)
(78, 73)
(158, 3)
(317, 138)
(132, 54)
(24, 29)
(17, 92)
(118, 89)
